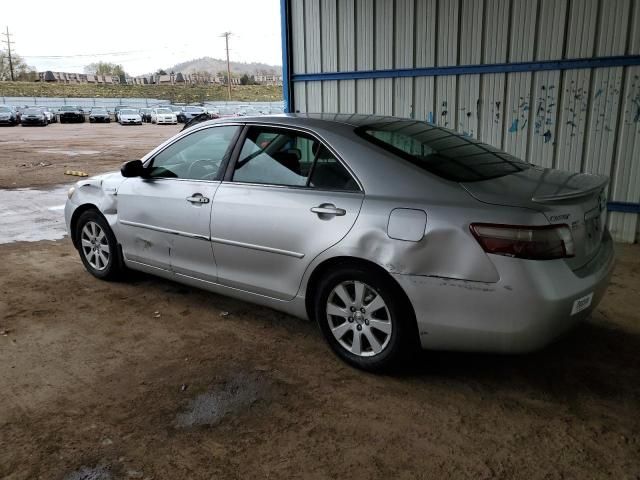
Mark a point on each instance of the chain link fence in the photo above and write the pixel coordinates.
(224, 108)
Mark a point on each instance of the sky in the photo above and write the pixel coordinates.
(141, 35)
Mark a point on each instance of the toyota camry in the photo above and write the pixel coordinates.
(390, 233)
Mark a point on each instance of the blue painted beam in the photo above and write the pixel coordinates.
(570, 64)
(625, 207)
(285, 29)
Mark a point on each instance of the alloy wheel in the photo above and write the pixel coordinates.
(95, 246)
(359, 318)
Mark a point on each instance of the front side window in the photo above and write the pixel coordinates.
(198, 156)
(278, 156)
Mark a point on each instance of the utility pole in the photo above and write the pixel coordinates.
(9, 42)
(226, 38)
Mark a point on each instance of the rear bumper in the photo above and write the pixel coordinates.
(529, 307)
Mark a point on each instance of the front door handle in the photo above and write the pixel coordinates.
(327, 209)
(197, 198)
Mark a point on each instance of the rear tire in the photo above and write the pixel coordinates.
(365, 317)
(98, 247)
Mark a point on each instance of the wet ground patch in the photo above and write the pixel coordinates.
(30, 214)
(99, 472)
(233, 395)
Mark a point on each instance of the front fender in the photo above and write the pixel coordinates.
(101, 193)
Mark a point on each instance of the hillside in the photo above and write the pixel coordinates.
(173, 93)
(215, 65)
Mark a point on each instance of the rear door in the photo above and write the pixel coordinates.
(286, 199)
(164, 219)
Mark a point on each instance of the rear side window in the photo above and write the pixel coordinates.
(277, 156)
(442, 152)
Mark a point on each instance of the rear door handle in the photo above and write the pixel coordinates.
(329, 209)
(197, 198)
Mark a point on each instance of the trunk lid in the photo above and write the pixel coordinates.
(575, 199)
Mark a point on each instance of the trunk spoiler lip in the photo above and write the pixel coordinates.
(602, 182)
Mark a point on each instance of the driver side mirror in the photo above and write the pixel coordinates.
(133, 168)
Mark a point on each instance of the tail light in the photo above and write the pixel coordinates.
(534, 243)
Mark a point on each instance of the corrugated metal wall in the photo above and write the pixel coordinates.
(580, 120)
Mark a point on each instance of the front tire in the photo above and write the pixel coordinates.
(365, 317)
(98, 246)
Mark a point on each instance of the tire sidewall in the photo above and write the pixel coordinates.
(114, 264)
(400, 316)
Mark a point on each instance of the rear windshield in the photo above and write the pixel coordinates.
(442, 152)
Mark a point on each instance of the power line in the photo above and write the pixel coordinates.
(9, 42)
(106, 54)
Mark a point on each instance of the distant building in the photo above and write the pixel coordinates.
(270, 79)
(201, 78)
(223, 80)
(67, 77)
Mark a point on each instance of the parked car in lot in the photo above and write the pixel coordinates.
(99, 115)
(129, 116)
(178, 110)
(190, 112)
(51, 117)
(163, 116)
(116, 111)
(71, 114)
(9, 115)
(34, 116)
(145, 113)
(389, 233)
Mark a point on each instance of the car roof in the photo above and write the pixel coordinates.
(327, 121)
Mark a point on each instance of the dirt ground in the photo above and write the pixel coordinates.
(150, 379)
(39, 156)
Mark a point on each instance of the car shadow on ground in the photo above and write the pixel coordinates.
(596, 358)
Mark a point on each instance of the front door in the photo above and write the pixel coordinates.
(288, 200)
(164, 218)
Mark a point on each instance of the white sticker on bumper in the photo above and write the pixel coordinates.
(582, 303)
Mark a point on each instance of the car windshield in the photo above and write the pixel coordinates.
(69, 108)
(5, 109)
(194, 109)
(442, 152)
(32, 111)
(128, 111)
(163, 110)
(98, 110)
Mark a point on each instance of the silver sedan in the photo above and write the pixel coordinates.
(390, 233)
